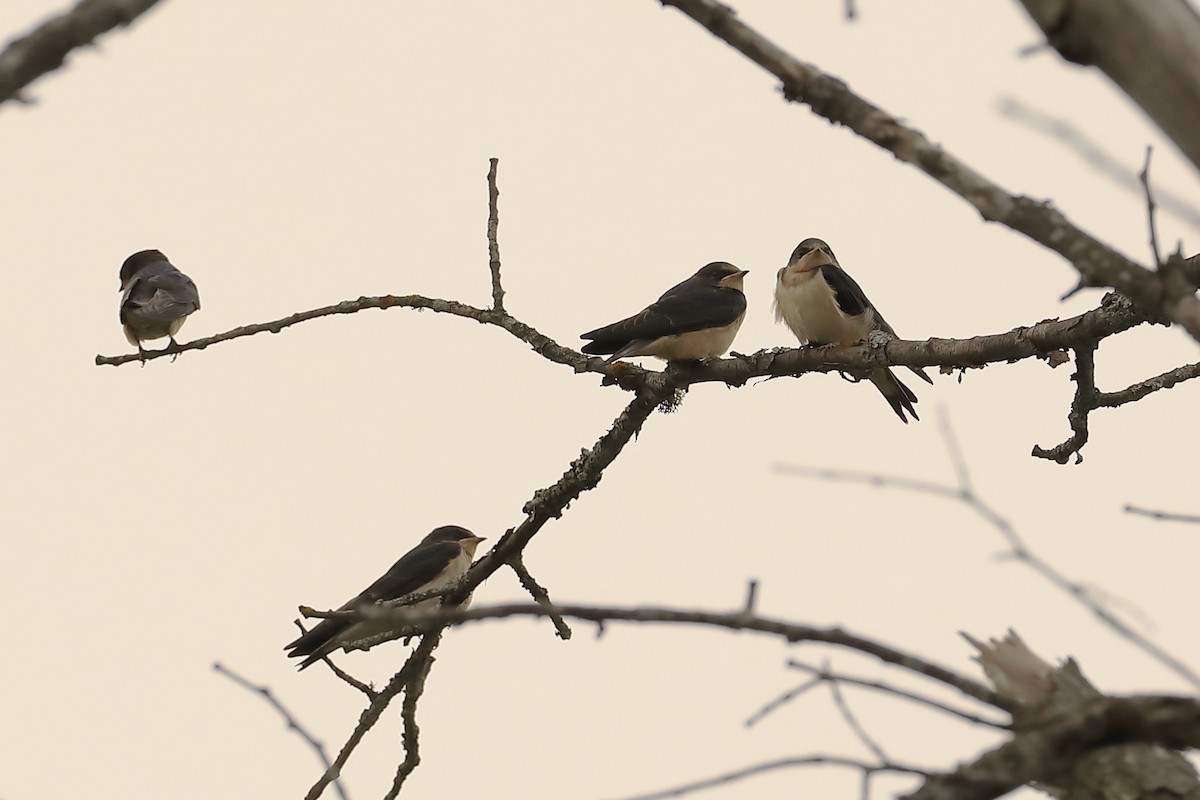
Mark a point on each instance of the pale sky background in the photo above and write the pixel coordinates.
(288, 155)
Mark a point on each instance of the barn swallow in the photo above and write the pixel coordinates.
(156, 298)
(694, 321)
(437, 562)
(823, 305)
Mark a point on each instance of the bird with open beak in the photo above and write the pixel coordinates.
(156, 298)
(693, 321)
(823, 305)
(438, 562)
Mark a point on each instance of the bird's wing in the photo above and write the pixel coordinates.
(849, 295)
(413, 571)
(852, 302)
(681, 310)
(164, 296)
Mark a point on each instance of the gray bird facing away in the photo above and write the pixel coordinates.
(693, 321)
(823, 305)
(156, 298)
(437, 562)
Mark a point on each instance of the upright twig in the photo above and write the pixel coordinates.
(266, 694)
(493, 226)
(1144, 177)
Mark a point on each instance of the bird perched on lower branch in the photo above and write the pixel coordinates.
(438, 562)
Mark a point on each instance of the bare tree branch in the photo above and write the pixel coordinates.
(1140, 389)
(1163, 515)
(44, 50)
(736, 620)
(1043, 339)
(1144, 177)
(1018, 550)
(265, 692)
(1088, 398)
(1098, 264)
(1081, 406)
(417, 663)
(1150, 50)
(408, 713)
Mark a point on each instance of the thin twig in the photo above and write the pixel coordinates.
(1163, 515)
(493, 226)
(781, 701)
(771, 766)
(266, 694)
(539, 594)
(851, 719)
(346, 677)
(880, 686)
(1144, 177)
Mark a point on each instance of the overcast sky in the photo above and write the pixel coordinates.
(288, 155)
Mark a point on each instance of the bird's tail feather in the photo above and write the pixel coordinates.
(899, 396)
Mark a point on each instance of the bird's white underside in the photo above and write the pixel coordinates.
(692, 346)
(806, 304)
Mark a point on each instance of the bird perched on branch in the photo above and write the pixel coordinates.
(156, 298)
(436, 563)
(823, 305)
(693, 321)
